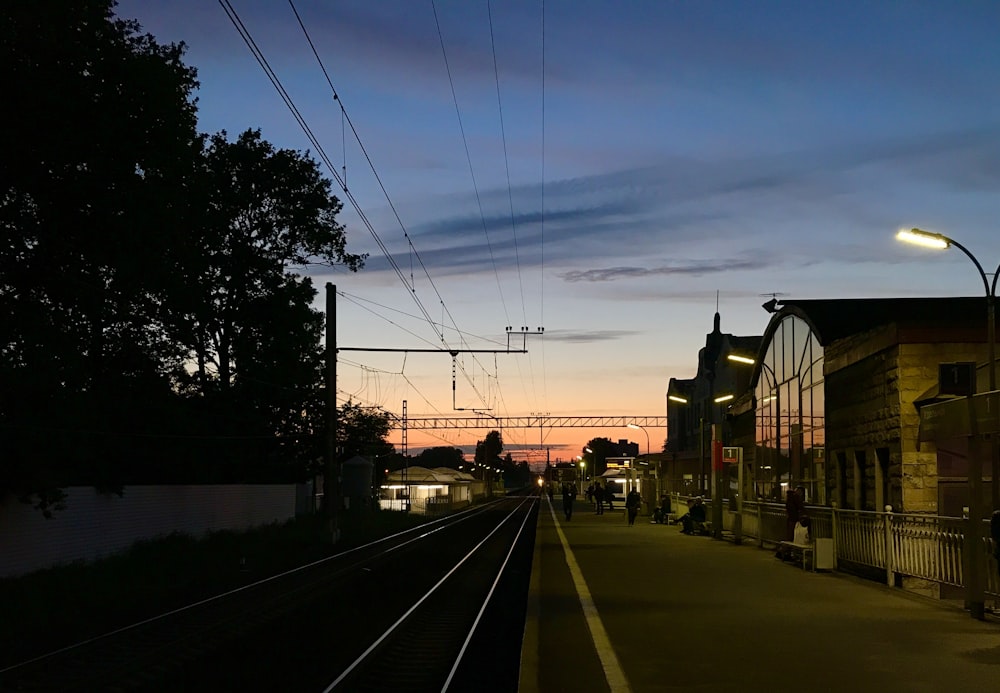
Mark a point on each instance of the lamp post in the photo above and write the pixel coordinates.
(718, 477)
(973, 545)
(656, 467)
(637, 427)
(941, 242)
(640, 428)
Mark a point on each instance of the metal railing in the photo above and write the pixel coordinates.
(915, 545)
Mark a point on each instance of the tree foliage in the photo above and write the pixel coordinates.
(156, 325)
(362, 431)
(441, 456)
(488, 450)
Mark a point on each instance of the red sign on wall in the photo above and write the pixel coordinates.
(717, 455)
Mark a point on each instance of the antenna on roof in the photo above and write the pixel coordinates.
(716, 300)
(771, 306)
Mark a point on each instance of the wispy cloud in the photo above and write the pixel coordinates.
(583, 336)
(661, 212)
(695, 268)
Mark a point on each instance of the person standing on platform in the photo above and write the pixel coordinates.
(599, 498)
(632, 502)
(569, 495)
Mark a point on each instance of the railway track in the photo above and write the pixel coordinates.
(419, 611)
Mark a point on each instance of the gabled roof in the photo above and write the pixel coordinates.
(833, 319)
(418, 474)
(454, 473)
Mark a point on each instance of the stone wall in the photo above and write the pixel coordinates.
(872, 382)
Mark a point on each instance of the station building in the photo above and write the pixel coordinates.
(830, 400)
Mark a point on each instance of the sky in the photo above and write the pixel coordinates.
(612, 172)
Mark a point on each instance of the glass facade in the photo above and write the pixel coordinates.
(790, 415)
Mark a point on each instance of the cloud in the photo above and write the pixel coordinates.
(696, 268)
(770, 211)
(588, 336)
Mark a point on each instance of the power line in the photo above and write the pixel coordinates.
(411, 286)
(468, 156)
(506, 162)
(290, 104)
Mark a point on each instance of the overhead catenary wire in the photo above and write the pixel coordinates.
(358, 300)
(510, 201)
(272, 76)
(506, 162)
(299, 118)
(411, 286)
(468, 158)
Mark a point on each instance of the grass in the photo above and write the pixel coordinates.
(58, 606)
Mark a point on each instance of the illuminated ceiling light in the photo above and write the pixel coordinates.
(924, 238)
(677, 398)
(741, 359)
(723, 398)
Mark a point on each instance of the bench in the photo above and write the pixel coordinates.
(800, 553)
(819, 553)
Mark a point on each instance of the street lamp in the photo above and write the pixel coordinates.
(637, 427)
(640, 428)
(939, 241)
(973, 545)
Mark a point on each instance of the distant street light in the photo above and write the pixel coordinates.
(640, 428)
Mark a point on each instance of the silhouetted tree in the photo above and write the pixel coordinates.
(441, 456)
(363, 431)
(153, 316)
(98, 153)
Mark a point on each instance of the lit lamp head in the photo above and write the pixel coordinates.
(677, 398)
(923, 238)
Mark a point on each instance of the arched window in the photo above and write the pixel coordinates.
(789, 417)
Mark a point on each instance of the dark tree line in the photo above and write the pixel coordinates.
(155, 323)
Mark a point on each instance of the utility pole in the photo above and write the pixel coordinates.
(331, 476)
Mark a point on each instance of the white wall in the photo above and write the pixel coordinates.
(95, 525)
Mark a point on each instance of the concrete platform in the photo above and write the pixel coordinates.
(646, 608)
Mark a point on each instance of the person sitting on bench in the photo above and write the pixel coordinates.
(694, 519)
(662, 513)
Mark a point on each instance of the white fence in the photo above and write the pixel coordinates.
(928, 547)
(95, 525)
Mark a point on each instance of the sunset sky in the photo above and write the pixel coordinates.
(653, 159)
